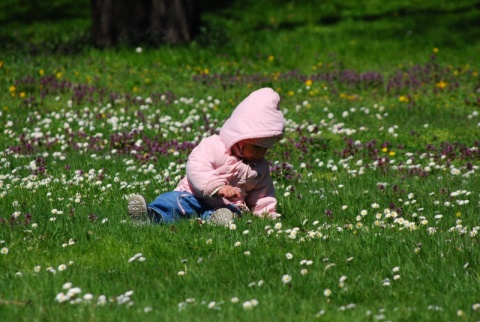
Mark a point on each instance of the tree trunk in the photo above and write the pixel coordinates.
(143, 21)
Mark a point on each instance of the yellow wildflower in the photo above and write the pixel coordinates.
(308, 82)
(271, 58)
(441, 84)
(435, 50)
(291, 93)
(1, 63)
(392, 153)
(403, 99)
(58, 75)
(385, 149)
(22, 94)
(12, 89)
(41, 72)
(458, 214)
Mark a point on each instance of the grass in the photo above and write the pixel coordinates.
(376, 178)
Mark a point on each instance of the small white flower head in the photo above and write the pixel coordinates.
(237, 244)
(37, 268)
(139, 50)
(148, 309)
(286, 278)
(62, 267)
(234, 299)
(396, 277)
(288, 255)
(396, 269)
(304, 271)
(88, 297)
(247, 305)
(246, 232)
(232, 226)
(247, 253)
(212, 304)
(278, 226)
(4, 251)
(67, 286)
(181, 273)
(209, 241)
(327, 292)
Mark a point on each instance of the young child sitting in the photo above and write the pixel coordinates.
(226, 173)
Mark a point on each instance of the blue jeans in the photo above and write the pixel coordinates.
(172, 206)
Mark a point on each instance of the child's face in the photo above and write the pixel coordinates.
(253, 152)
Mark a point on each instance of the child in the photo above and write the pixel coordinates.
(226, 173)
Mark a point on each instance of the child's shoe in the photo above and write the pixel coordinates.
(138, 209)
(222, 217)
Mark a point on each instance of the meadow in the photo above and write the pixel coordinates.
(377, 177)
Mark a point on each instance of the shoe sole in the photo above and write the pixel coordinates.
(137, 208)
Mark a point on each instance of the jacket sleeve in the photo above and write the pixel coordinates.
(261, 200)
(202, 164)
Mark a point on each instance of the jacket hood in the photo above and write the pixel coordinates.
(257, 116)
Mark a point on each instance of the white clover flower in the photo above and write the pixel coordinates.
(237, 244)
(67, 286)
(327, 292)
(363, 212)
(181, 273)
(246, 232)
(286, 278)
(234, 299)
(4, 251)
(247, 253)
(396, 277)
(395, 269)
(37, 268)
(375, 205)
(232, 226)
(304, 271)
(278, 225)
(288, 255)
(62, 267)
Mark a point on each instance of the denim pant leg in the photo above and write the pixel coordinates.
(172, 206)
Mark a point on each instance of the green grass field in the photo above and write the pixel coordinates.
(377, 178)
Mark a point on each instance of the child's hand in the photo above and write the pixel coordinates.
(229, 192)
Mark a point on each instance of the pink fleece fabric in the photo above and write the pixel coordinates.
(214, 163)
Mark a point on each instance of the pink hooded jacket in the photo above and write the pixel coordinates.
(216, 161)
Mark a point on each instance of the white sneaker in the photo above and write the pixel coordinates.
(222, 217)
(138, 209)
